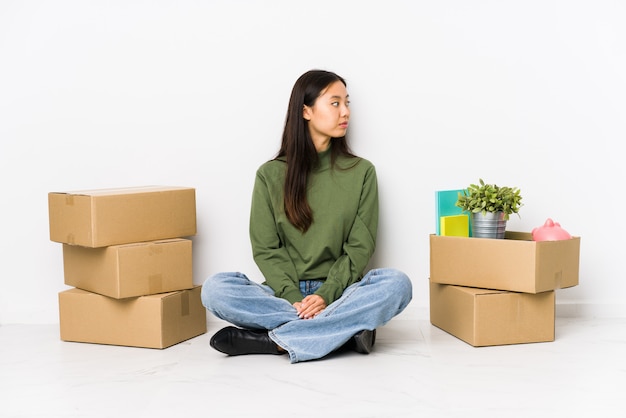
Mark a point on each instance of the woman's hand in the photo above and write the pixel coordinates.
(310, 307)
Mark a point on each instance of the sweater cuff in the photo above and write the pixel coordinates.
(328, 297)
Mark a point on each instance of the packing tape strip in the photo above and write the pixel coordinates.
(155, 283)
(155, 249)
(184, 303)
(558, 279)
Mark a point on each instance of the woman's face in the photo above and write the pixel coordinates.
(329, 115)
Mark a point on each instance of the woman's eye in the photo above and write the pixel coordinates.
(335, 104)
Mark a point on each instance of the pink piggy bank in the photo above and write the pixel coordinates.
(550, 231)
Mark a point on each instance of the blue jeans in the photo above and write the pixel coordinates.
(365, 305)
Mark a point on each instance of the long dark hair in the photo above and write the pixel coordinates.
(297, 145)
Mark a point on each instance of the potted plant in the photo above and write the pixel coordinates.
(489, 206)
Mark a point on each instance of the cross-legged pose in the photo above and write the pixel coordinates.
(313, 226)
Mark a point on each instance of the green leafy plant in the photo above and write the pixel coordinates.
(490, 198)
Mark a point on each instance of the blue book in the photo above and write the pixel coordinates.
(445, 205)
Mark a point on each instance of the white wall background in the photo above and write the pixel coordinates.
(193, 93)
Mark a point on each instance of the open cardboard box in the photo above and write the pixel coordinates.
(515, 263)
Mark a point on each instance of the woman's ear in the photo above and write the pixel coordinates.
(306, 112)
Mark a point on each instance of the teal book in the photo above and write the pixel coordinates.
(445, 205)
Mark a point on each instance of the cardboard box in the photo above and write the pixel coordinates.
(100, 218)
(128, 270)
(515, 263)
(155, 321)
(483, 317)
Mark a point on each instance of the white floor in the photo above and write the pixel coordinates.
(416, 370)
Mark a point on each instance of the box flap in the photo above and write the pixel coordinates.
(475, 291)
(122, 190)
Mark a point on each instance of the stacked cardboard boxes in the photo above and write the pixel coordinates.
(499, 291)
(128, 256)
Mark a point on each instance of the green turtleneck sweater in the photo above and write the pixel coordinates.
(341, 239)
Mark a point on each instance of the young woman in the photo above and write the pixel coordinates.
(313, 226)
